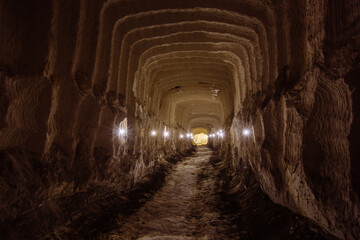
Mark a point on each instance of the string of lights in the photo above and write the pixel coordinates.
(246, 132)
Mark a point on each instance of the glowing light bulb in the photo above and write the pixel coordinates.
(153, 133)
(245, 132)
(181, 136)
(121, 132)
(188, 135)
(166, 133)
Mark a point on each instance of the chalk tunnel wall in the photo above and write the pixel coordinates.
(73, 72)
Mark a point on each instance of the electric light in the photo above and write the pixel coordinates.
(188, 135)
(121, 132)
(153, 133)
(166, 133)
(181, 136)
(245, 132)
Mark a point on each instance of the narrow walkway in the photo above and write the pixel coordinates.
(184, 208)
(190, 205)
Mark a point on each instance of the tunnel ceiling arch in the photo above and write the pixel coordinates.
(166, 55)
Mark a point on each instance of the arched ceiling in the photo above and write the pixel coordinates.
(191, 63)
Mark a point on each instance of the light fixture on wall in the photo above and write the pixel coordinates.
(166, 134)
(121, 132)
(246, 132)
(188, 135)
(153, 133)
(181, 136)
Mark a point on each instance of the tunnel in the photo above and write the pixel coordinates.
(102, 103)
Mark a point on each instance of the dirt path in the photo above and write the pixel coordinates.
(191, 205)
(182, 209)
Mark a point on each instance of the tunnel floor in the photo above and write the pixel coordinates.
(192, 205)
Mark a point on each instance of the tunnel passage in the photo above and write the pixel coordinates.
(97, 96)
